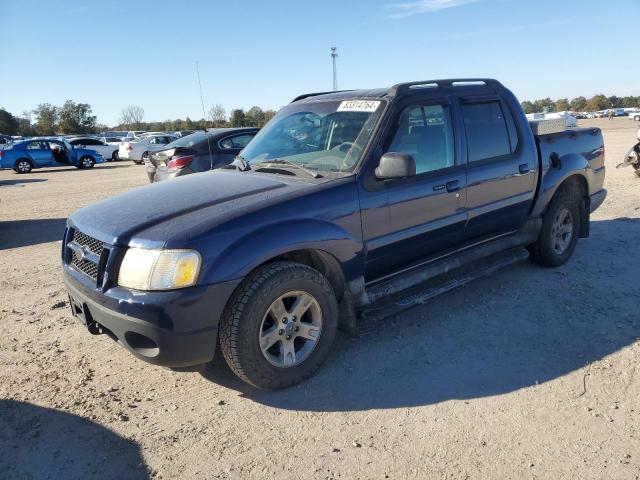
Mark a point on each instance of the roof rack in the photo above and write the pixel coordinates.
(307, 95)
(452, 82)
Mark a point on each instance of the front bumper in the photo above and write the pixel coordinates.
(176, 328)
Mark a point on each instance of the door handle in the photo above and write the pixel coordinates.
(453, 186)
(524, 168)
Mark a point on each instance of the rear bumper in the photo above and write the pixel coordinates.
(174, 328)
(596, 200)
(162, 174)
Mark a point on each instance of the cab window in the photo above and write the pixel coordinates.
(426, 133)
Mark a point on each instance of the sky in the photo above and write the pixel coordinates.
(113, 53)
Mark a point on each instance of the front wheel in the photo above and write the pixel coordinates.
(559, 233)
(87, 162)
(279, 325)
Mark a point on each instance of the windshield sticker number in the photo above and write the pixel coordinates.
(359, 106)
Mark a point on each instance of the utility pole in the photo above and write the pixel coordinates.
(334, 55)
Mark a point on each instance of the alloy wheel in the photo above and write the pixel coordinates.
(290, 329)
(562, 231)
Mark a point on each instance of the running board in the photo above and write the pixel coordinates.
(390, 305)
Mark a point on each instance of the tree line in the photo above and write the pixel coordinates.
(72, 117)
(580, 104)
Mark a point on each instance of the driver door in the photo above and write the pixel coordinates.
(408, 221)
(59, 153)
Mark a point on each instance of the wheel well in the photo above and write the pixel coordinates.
(577, 185)
(322, 261)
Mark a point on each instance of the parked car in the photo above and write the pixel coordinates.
(198, 152)
(634, 116)
(26, 155)
(134, 134)
(139, 149)
(340, 203)
(4, 140)
(108, 150)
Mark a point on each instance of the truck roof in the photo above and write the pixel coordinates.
(403, 88)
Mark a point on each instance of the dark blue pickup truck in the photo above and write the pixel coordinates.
(343, 201)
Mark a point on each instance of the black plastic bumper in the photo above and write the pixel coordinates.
(176, 328)
(597, 199)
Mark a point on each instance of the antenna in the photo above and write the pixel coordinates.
(205, 116)
(334, 55)
(201, 95)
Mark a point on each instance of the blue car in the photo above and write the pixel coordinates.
(26, 155)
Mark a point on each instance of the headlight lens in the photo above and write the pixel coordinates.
(143, 269)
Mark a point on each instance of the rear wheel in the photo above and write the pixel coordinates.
(279, 325)
(559, 233)
(23, 165)
(115, 156)
(145, 155)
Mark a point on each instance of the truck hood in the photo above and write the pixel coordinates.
(219, 193)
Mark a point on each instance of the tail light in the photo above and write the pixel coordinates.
(129, 147)
(179, 162)
(1, 153)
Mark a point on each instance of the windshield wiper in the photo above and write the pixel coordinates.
(280, 161)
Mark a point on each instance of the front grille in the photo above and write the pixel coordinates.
(85, 266)
(95, 246)
(85, 253)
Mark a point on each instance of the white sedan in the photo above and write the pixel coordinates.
(109, 152)
(139, 149)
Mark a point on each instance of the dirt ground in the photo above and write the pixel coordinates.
(530, 373)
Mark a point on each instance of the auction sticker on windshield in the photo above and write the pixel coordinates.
(359, 106)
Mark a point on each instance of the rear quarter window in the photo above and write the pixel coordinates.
(490, 131)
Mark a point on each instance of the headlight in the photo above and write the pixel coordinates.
(159, 269)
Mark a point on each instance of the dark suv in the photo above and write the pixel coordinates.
(343, 201)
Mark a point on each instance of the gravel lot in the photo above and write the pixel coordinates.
(530, 373)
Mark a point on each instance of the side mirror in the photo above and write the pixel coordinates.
(395, 165)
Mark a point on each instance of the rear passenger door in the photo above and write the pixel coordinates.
(426, 212)
(500, 174)
(40, 153)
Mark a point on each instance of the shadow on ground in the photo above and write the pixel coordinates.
(66, 168)
(20, 181)
(518, 328)
(43, 443)
(22, 233)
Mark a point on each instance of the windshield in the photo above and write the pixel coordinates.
(327, 136)
(189, 140)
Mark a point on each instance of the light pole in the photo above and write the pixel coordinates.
(334, 55)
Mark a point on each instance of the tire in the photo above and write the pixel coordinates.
(554, 246)
(86, 162)
(248, 316)
(115, 156)
(23, 165)
(141, 161)
(636, 169)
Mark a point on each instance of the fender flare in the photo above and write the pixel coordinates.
(568, 165)
(277, 239)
